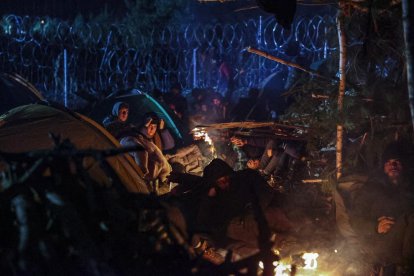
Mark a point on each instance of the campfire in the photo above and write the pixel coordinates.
(308, 267)
(201, 134)
(311, 262)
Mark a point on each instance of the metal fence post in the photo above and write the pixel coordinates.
(194, 67)
(65, 77)
(259, 46)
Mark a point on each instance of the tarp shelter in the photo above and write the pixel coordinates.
(16, 91)
(26, 128)
(139, 104)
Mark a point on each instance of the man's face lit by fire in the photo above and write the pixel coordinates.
(123, 114)
(393, 169)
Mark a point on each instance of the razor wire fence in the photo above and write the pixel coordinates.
(61, 58)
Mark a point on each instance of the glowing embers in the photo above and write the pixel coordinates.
(308, 267)
(281, 269)
(311, 262)
(201, 134)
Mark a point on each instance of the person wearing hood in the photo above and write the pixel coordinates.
(151, 160)
(153, 128)
(227, 208)
(383, 213)
(116, 123)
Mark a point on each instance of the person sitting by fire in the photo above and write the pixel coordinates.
(200, 107)
(162, 137)
(249, 150)
(177, 102)
(218, 109)
(197, 98)
(150, 159)
(271, 159)
(382, 214)
(117, 122)
(226, 207)
(273, 154)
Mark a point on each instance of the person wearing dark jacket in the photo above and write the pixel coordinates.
(227, 206)
(383, 213)
(116, 123)
(177, 102)
(218, 109)
(273, 157)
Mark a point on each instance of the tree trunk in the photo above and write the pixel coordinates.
(341, 90)
(409, 51)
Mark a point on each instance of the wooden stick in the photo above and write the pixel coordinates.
(288, 63)
(247, 125)
(314, 181)
(318, 96)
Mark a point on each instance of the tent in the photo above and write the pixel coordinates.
(139, 104)
(26, 128)
(16, 91)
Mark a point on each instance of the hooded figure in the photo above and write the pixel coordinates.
(116, 123)
(215, 170)
(226, 209)
(153, 128)
(383, 211)
(151, 160)
(394, 150)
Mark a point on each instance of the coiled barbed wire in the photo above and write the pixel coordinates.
(106, 58)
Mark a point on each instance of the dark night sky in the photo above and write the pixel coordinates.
(65, 9)
(68, 9)
(202, 11)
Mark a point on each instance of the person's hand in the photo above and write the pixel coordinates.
(162, 124)
(175, 191)
(269, 153)
(238, 142)
(253, 164)
(148, 123)
(385, 224)
(212, 192)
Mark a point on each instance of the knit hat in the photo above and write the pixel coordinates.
(394, 150)
(216, 169)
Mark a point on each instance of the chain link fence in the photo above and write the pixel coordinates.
(61, 58)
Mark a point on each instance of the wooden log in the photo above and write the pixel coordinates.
(311, 181)
(246, 124)
(288, 63)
